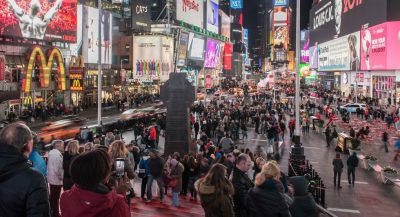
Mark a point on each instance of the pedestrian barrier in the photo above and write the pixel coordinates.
(299, 167)
(381, 175)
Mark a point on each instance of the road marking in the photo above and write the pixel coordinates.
(308, 147)
(313, 162)
(357, 182)
(259, 140)
(344, 210)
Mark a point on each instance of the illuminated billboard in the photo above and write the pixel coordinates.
(39, 19)
(190, 11)
(212, 16)
(236, 4)
(280, 3)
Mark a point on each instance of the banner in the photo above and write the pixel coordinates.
(331, 19)
(313, 51)
(190, 11)
(225, 24)
(212, 16)
(91, 32)
(39, 19)
(236, 4)
(182, 50)
(196, 47)
(380, 47)
(2, 67)
(141, 14)
(228, 50)
(212, 54)
(45, 66)
(342, 54)
(305, 46)
(76, 80)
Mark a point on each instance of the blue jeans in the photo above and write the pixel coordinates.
(175, 199)
(160, 184)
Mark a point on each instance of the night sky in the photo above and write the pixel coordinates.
(250, 14)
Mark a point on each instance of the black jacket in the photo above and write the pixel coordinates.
(67, 181)
(242, 184)
(303, 203)
(352, 162)
(156, 166)
(266, 201)
(23, 191)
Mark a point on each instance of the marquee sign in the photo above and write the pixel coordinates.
(45, 67)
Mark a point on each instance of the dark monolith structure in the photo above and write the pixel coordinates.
(178, 95)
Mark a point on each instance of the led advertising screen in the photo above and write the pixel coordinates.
(141, 14)
(228, 50)
(280, 3)
(335, 18)
(225, 24)
(341, 54)
(91, 35)
(305, 46)
(212, 54)
(39, 19)
(380, 47)
(280, 35)
(236, 4)
(196, 47)
(313, 51)
(190, 11)
(182, 50)
(212, 16)
(76, 48)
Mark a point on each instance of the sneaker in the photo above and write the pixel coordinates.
(148, 201)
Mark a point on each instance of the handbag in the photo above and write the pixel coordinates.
(173, 183)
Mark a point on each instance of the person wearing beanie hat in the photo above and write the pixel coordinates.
(303, 203)
(266, 196)
(176, 175)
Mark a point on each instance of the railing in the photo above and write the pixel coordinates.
(299, 167)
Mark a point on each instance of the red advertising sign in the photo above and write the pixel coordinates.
(228, 56)
(39, 19)
(380, 47)
(208, 82)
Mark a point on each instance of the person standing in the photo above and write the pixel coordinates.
(242, 184)
(385, 140)
(156, 166)
(144, 172)
(72, 151)
(352, 164)
(55, 175)
(337, 170)
(28, 195)
(328, 136)
(176, 174)
(196, 129)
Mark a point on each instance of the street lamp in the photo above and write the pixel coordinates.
(100, 73)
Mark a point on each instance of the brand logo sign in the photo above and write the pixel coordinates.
(141, 9)
(76, 80)
(45, 68)
(280, 3)
(141, 15)
(191, 12)
(340, 54)
(236, 4)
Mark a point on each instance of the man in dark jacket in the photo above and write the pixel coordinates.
(328, 136)
(337, 170)
(241, 183)
(303, 203)
(23, 191)
(352, 164)
(156, 167)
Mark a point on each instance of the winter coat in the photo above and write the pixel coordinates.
(23, 190)
(38, 162)
(143, 164)
(266, 201)
(303, 203)
(242, 184)
(96, 202)
(176, 173)
(208, 197)
(337, 165)
(156, 166)
(67, 181)
(352, 162)
(55, 172)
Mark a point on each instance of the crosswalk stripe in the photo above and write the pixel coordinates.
(344, 210)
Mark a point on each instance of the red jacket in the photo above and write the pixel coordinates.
(153, 134)
(77, 202)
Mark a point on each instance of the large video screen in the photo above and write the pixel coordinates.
(212, 54)
(196, 47)
(53, 20)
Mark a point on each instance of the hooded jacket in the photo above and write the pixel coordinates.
(97, 202)
(303, 203)
(266, 201)
(208, 197)
(242, 184)
(23, 190)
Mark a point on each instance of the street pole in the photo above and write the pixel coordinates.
(356, 87)
(99, 74)
(297, 91)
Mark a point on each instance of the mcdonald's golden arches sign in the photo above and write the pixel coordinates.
(45, 67)
(76, 81)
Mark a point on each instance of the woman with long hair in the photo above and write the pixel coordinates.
(116, 150)
(216, 192)
(71, 152)
(193, 168)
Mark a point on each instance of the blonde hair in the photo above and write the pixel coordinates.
(117, 149)
(73, 147)
(88, 147)
(269, 170)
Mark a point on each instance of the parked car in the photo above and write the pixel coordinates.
(353, 107)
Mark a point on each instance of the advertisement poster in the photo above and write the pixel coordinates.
(280, 3)
(39, 19)
(228, 56)
(152, 57)
(76, 48)
(91, 34)
(141, 14)
(190, 11)
(208, 82)
(236, 4)
(313, 51)
(2, 67)
(212, 54)
(342, 54)
(335, 18)
(225, 24)
(380, 47)
(196, 47)
(182, 51)
(280, 35)
(212, 16)
(305, 46)
(280, 16)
